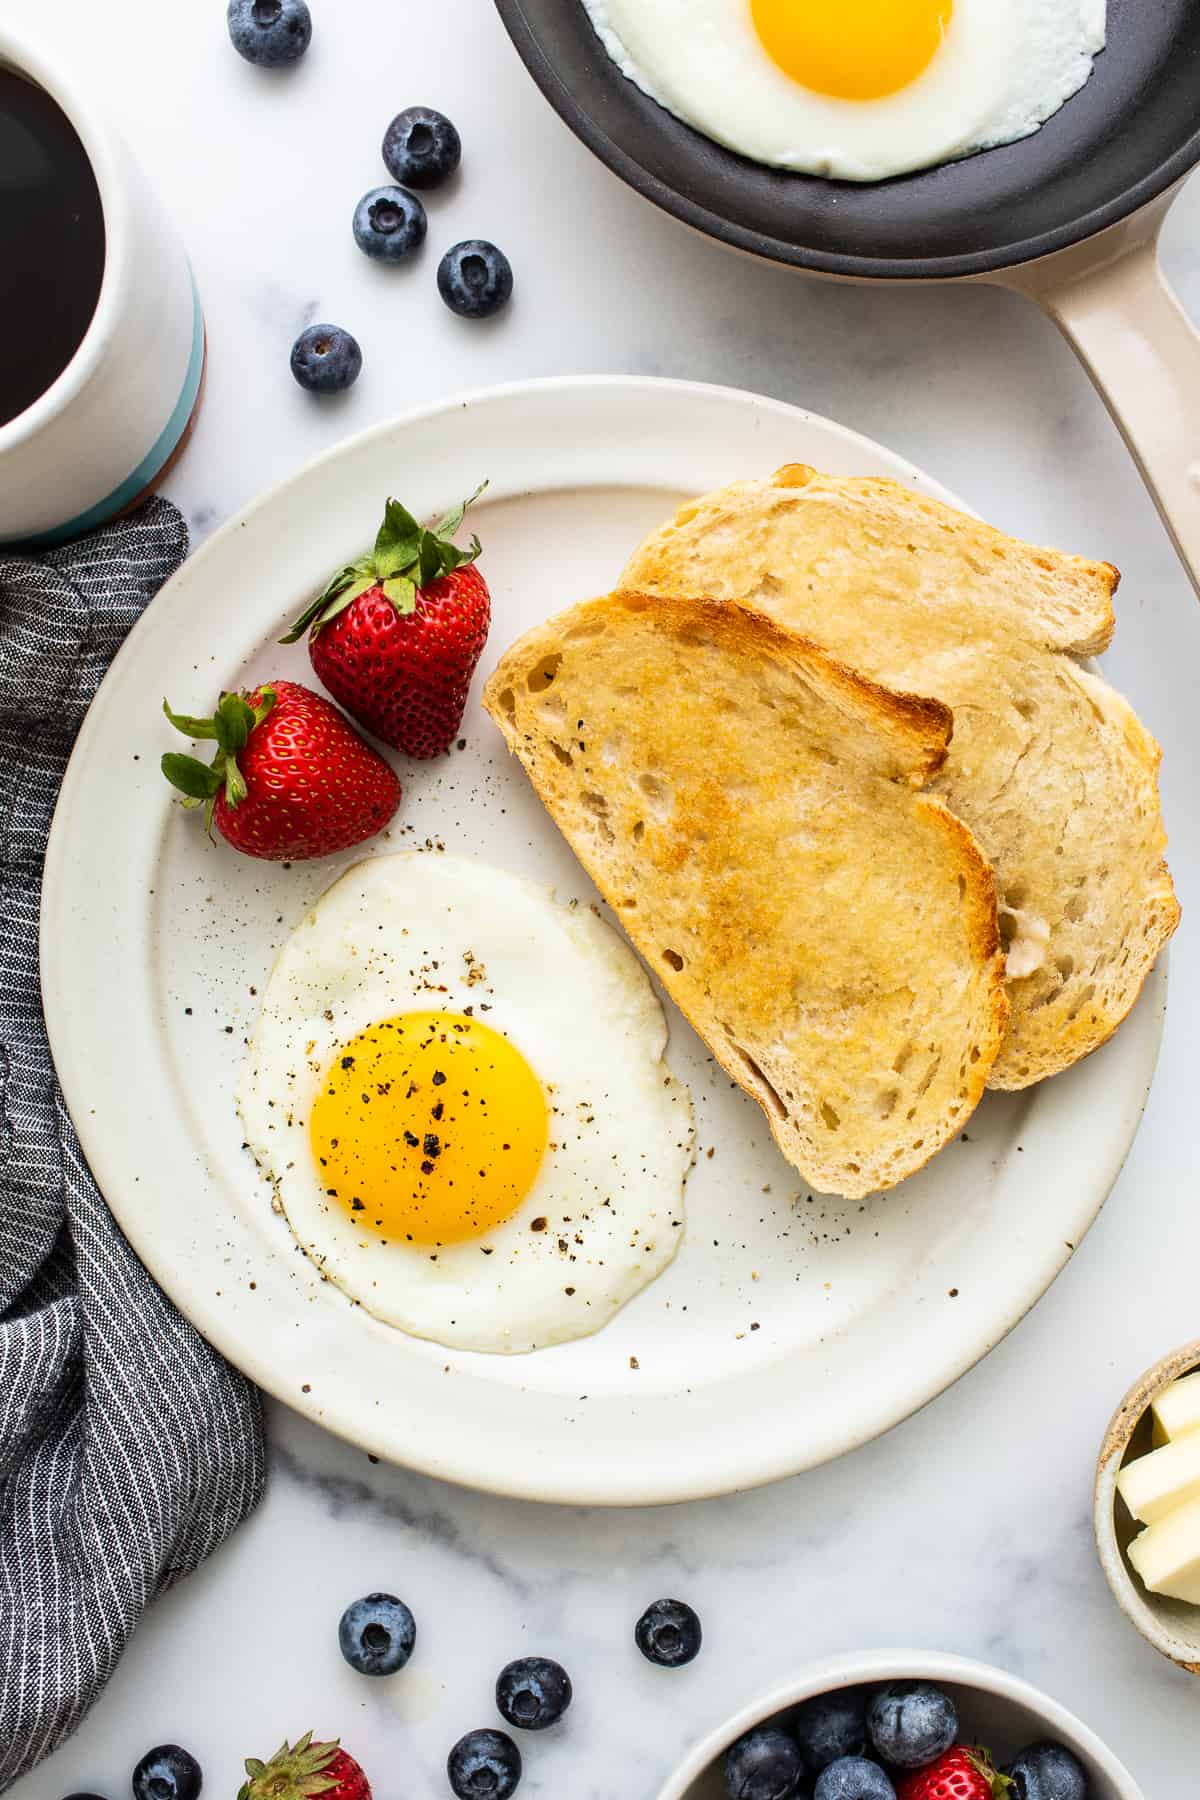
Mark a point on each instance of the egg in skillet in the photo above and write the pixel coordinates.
(457, 1087)
(856, 89)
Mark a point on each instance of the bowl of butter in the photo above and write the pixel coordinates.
(1148, 1506)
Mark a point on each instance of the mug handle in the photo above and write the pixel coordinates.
(1112, 302)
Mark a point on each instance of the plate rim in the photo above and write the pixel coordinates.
(249, 1349)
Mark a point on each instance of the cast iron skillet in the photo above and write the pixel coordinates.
(1070, 215)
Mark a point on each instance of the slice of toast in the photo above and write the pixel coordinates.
(1049, 767)
(750, 809)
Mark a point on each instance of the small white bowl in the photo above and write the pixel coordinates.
(996, 1709)
(1169, 1625)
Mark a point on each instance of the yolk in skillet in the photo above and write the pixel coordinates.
(852, 49)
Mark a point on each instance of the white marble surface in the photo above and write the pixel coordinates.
(966, 1529)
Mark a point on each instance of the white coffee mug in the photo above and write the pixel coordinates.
(103, 433)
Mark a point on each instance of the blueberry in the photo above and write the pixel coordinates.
(167, 1773)
(853, 1778)
(376, 1634)
(911, 1723)
(270, 33)
(484, 1763)
(1048, 1772)
(389, 223)
(533, 1692)
(832, 1726)
(763, 1765)
(326, 359)
(475, 279)
(421, 148)
(668, 1633)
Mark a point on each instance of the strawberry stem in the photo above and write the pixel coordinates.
(1001, 1785)
(296, 1772)
(405, 559)
(229, 727)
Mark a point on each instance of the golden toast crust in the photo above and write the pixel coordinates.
(1049, 768)
(749, 808)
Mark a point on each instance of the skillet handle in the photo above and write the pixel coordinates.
(1143, 353)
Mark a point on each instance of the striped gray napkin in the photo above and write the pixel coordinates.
(128, 1449)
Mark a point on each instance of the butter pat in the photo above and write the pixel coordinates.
(1177, 1409)
(1027, 951)
(1167, 1555)
(1155, 1484)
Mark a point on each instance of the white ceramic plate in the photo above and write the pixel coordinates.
(789, 1328)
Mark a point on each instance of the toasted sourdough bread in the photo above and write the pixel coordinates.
(1048, 766)
(749, 808)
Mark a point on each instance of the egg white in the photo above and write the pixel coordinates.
(419, 933)
(1059, 45)
(1004, 67)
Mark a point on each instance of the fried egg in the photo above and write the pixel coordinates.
(857, 89)
(458, 1091)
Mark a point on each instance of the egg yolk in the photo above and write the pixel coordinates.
(852, 49)
(429, 1128)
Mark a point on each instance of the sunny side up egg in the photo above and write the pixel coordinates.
(856, 89)
(457, 1088)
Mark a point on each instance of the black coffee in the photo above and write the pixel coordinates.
(51, 243)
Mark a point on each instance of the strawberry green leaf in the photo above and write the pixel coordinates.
(235, 783)
(982, 1762)
(447, 527)
(234, 722)
(429, 559)
(454, 558)
(361, 586)
(402, 592)
(267, 698)
(297, 1771)
(336, 585)
(190, 727)
(398, 542)
(192, 777)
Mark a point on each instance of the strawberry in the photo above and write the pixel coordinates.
(395, 636)
(961, 1774)
(291, 778)
(303, 1771)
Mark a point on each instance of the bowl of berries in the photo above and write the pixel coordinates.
(902, 1725)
